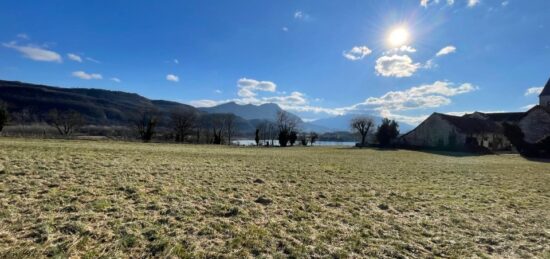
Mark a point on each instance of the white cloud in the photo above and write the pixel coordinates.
(285, 29)
(86, 76)
(472, 3)
(35, 53)
(419, 97)
(218, 91)
(74, 57)
(396, 65)
(429, 64)
(294, 99)
(424, 3)
(173, 78)
(300, 15)
(534, 90)
(505, 3)
(528, 107)
(176, 61)
(357, 53)
(411, 120)
(446, 50)
(248, 87)
(246, 92)
(406, 48)
(205, 103)
(425, 96)
(116, 79)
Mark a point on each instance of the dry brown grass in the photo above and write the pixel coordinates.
(110, 199)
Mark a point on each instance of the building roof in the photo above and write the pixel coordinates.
(546, 90)
(471, 125)
(505, 116)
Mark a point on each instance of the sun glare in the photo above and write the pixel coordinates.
(398, 37)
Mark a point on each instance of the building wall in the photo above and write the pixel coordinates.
(535, 125)
(545, 101)
(434, 132)
(493, 141)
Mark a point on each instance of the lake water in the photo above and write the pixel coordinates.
(250, 142)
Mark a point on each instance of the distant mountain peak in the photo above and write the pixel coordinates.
(265, 111)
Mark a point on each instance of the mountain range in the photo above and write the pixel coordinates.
(31, 103)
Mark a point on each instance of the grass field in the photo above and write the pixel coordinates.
(90, 199)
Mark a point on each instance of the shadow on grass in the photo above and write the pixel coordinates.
(537, 159)
(448, 153)
(429, 151)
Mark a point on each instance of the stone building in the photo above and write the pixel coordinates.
(456, 132)
(481, 129)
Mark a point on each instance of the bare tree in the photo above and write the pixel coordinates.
(146, 123)
(216, 123)
(286, 124)
(65, 122)
(229, 125)
(362, 125)
(183, 121)
(4, 115)
(313, 137)
(267, 132)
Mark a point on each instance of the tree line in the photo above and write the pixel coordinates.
(188, 126)
(183, 125)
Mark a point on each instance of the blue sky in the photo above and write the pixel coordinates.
(400, 59)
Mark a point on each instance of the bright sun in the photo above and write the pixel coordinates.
(398, 37)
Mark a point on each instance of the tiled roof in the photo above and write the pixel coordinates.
(472, 125)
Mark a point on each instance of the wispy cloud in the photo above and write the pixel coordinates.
(425, 3)
(396, 66)
(472, 3)
(206, 103)
(533, 91)
(300, 15)
(285, 29)
(74, 57)
(357, 53)
(528, 107)
(23, 36)
(93, 60)
(404, 48)
(86, 76)
(35, 53)
(116, 79)
(446, 51)
(172, 78)
(176, 61)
